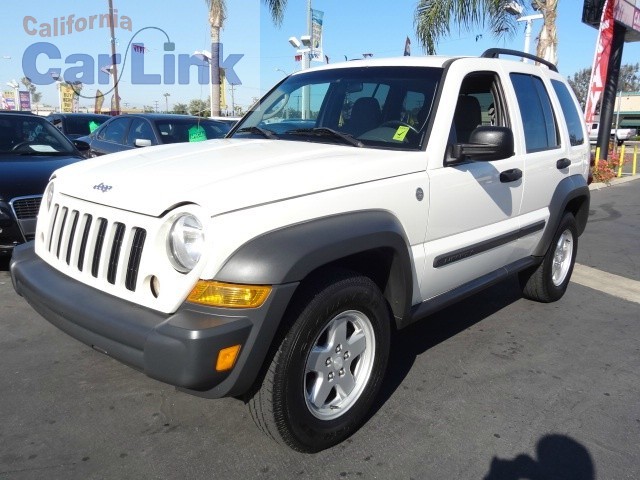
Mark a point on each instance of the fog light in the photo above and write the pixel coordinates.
(228, 295)
(227, 358)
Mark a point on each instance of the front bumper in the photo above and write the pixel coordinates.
(180, 349)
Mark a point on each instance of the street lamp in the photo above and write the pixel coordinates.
(305, 59)
(166, 102)
(527, 31)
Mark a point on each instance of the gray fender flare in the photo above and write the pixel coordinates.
(289, 254)
(571, 194)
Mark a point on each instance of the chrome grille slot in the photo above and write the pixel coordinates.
(134, 258)
(97, 250)
(72, 235)
(85, 238)
(53, 226)
(116, 246)
(65, 211)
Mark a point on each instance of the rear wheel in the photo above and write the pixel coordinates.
(549, 280)
(328, 368)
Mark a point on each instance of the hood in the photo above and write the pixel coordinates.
(23, 175)
(227, 174)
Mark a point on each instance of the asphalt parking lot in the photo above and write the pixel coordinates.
(496, 387)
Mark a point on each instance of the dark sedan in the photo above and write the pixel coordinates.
(31, 149)
(130, 131)
(76, 125)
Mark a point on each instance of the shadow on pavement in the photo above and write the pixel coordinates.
(425, 334)
(558, 456)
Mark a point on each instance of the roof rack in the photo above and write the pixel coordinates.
(496, 52)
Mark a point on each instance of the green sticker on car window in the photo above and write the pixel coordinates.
(93, 125)
(197, 134)
(401, 133)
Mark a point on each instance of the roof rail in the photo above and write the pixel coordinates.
(496, 52)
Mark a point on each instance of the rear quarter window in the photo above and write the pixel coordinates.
(571, 114)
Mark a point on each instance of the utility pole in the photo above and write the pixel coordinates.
(114, 70)
(233, 102)
(156, 102)
(166, 102)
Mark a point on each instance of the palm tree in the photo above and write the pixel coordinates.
(217, 16)
(433, 20)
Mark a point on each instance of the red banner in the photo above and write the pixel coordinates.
(600, 62)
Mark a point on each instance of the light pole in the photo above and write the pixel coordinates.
(205, 56)
(166, 102)
(305, 60)
(527, 31)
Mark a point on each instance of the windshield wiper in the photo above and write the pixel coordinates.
(327, 132)
(260, 131)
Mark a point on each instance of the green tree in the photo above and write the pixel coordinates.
(199, 108)
(217, 16)
(434, 19)
(629, 81)
(181, 108)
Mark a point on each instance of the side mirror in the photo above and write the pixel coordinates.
(142, 142)
(485, 143)
(82, 146)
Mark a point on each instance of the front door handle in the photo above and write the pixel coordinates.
(563, 163)
(512, 175)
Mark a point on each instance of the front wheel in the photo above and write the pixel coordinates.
(549, 280)
(328, 368)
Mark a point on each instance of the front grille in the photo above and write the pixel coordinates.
(96, 246)
(26, 207)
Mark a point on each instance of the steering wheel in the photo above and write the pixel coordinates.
(399, 123)
(20, 145)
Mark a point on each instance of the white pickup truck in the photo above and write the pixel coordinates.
(620, 134)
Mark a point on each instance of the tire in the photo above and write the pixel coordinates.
(329, 366)
(549, 280)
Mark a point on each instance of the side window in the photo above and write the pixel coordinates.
(141, 129)
(571, 115)
(540, 130)
(115, 130)
(480, 102)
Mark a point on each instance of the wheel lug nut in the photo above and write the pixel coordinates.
(331, 376)
(341, 372)
(328, 362)
(346, 355)
(338, 348)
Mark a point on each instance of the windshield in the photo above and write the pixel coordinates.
(387, 107)
(31, 135)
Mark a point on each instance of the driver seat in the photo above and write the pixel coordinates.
(365, 116)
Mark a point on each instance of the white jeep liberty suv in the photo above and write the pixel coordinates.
(353, 199)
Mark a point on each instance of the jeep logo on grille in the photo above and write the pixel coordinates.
(102, 187)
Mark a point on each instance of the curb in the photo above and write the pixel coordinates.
(613, 182)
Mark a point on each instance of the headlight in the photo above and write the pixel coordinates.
(48, 195)
(185, 242)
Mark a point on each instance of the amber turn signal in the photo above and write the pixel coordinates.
(227, 358)
(228, 295)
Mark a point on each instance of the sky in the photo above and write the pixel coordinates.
(351, 28)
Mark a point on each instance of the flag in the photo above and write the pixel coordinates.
(316, 35)
(407, 47)
(600, 63)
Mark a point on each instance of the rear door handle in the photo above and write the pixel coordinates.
(563, 163)
(512, 175)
